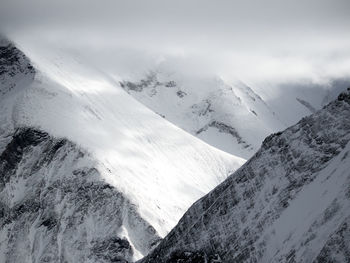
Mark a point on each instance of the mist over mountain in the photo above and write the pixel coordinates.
(187, 131)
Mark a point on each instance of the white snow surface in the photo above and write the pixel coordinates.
(229, 114)
(232, 118)
(158, 166)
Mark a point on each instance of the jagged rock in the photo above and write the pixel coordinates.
(55, 207)
(14, 66)
(284, 205)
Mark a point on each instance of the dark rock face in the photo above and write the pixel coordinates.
(16, 72)
(111, 249)
(10, 61)
(150, 81)
(222, 127)
(193, 257)
(345, 96)
(181, 93)
(240, 218)
(14, 151)
(13, 66)
(55, 206)
(337, 248)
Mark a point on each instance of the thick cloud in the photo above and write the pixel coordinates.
(261, 39)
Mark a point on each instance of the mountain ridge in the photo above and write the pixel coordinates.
(227, 114)
(141, 156)
(58, 204)
(240, 219)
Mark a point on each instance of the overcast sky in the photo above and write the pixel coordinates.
(261, 38)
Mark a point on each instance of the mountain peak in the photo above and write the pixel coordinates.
(284, 203)
(345, 96)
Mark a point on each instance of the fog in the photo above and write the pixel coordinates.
(258, 40)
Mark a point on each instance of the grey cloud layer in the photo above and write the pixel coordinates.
(268, 32)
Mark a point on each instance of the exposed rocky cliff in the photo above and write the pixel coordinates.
(55, 207)
(16, 71)
(289, 203)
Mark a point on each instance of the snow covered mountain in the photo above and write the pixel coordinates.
(88, 174)
(232, 118)
(228, 115)
(289, 203)
(92, 174)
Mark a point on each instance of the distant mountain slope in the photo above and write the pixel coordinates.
(289, 203)
(228, 115)
(145, 160)
(232, 118)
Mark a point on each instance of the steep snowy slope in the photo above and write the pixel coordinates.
(229, 115)
(232, 118)
(289, 203)
(158, 169)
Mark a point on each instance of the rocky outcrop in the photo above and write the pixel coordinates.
(288, 203)
(14, 66)
(224, 128)
(16, 71)
(55, 207)
(337, 247)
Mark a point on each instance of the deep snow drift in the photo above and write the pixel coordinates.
(289, 203)
(158, 168)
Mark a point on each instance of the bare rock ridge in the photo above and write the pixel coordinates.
(54, 206)
(289, 203)
(15, 71)
(13, 65)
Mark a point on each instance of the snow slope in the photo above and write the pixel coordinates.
(232, 118)
(157, 167)
(230, 115)
(289, 203)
